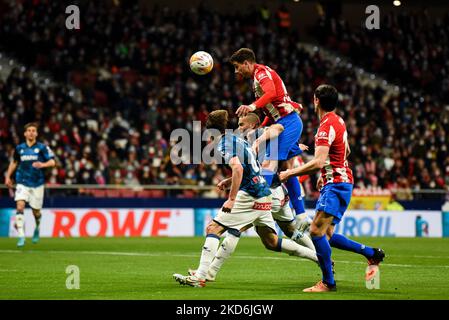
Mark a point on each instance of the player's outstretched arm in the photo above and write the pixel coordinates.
(11, 168)
(318, 161)
(236, 180)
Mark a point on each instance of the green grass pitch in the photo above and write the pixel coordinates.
(142, 268)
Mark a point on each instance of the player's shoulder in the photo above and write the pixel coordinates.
(21, 146)
(41, 145)
(226, 140)
(332, 119)
(261, 72)
(337, 120)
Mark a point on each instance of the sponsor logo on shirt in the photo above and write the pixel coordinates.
(28, 157)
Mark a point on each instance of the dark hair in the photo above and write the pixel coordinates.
(31, 124)
(328, 97)
(243, 54)
(217, 119)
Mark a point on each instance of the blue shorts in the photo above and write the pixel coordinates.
(334, 199)
(286, 145)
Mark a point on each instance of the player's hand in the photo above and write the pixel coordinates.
(243, 110)
(303, 147)
(284, 175)
(319, 183)
(222, 185)
(9, 183)
(228, 205)
(38, 165)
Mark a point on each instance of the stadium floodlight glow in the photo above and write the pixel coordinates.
(397, 3)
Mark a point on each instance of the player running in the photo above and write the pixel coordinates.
(335, 185)
(30, 158)
(249, 201)
(273, 99)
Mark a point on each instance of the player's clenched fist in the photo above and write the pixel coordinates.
(284, 175)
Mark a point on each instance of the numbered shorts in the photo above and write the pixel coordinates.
(334, 199)
(34, 196)
(281, 210)
(247, 210)
(286, 145)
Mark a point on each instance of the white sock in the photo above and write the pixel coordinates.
(303, 239)
(209, 249)
(227, 247)
(292, 248)
(20, 222)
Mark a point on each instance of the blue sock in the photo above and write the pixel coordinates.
(341, 242)
(323, 250)
(268, 175)
(294, 192)
(279, 245)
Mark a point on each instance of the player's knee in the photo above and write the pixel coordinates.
(36, 213)
(20, 206)
(287, 229)
(270, 243)
(213, 228)
(315, 230)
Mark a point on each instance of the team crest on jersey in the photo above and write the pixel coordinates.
(261, 76)
(36, 150)
(21, 151)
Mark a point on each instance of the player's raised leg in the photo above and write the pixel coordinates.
(373, 255)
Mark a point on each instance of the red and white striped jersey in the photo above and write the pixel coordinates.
(332, 133)
(271, 93)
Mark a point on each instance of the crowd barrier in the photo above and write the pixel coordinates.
(109, 221)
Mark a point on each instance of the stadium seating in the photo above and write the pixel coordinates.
(136, 88)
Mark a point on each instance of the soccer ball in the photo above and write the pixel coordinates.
(201, 62)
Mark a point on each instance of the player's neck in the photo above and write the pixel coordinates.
(324, 113)
(30, 142)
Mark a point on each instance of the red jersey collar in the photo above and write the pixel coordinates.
(256, 66)
(326, 116)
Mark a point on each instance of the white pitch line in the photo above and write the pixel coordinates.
(147, 254)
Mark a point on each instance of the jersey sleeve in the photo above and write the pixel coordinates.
(267, 84)
(325, 135)
(16, 155)
(47, 153)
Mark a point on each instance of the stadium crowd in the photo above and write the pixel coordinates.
(411, 48)
(136, 88)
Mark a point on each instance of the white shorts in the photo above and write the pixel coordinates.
(281, 210)
(247, 210)
(34, 196)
